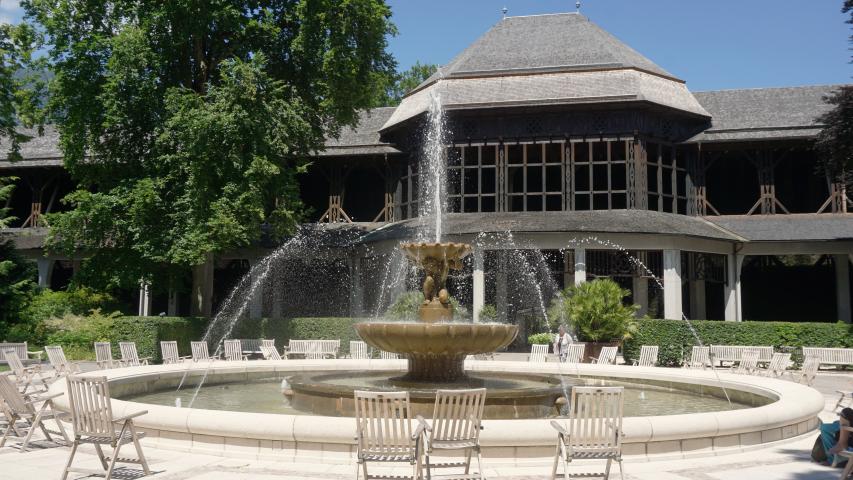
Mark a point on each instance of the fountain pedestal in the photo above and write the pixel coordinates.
(435, 347)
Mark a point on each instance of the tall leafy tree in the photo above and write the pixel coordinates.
(21, 85)
(16, 273)
(402, 83)
(185, 122)
(835, 142)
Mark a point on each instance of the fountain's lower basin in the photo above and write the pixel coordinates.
(509, 395)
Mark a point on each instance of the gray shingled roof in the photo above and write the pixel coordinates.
(763, 113)
(363, 139)
(788, 228)
(39, 151)
(583, 222)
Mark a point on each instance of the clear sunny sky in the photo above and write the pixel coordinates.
(710, 44)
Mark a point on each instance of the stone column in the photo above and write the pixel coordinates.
(580, 265)
(202, 292)
(672, 284)
(697, 300)
(478, 284)
(45, 268)
(842, 287)
(144, 300)
(356, 290)
(641, 295)
(734, 263)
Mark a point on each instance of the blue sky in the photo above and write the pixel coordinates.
(710, 44)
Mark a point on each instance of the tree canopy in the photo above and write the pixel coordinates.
(186, 122)
(402, 83)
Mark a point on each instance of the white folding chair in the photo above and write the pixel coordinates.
(129, 356)
(104, 355)
(538, 353)
(18, 407)
(61, 365)
(384, 432)
(607, 356)
(234, 351)
(456, 425)
(201, 352)
(648, 356)
(169, 352)
(358, 350)
(26, 378)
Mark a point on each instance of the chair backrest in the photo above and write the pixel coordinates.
(538, 352)
(265, 342)
(15, 363)
(648, 356)
(835, 356)
(358, 350)
(250, 344)
(700, 357)
(270, 353)
(104, 353)
(607, 355)
(595, 419)
(779, 363)
(200, 351)
(56, 357)
(811, 364)
(233, 350)
(575, 353)
(19, 348)
(383, 422)
(169, 351)
(457, 415)
(748, 360)
(91, 409)
(733, 353)
(13, 398)
(388, 355)
(128, 353)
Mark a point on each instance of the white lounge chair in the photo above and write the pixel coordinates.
(26, 378)
(538, 353)
(700, 357)
(104, 356)
(93, 421)
(384, 432)
(607, 356)
(808, 372)
(648, 356)
(593, 431)
(234, 351)
(748, 363)
(169, 352)
(61, 365)
(18, 407)
(270, 353)
(388, 355)
(24, 353)
(201, 352)
(456, 425)
(778, 365)
(358, 350)
(129, 356)
(575, 353)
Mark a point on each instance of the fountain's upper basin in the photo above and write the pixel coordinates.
(437, 339)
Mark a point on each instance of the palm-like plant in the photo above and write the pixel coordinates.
(595, 311)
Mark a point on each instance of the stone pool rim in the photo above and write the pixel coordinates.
(302, 438)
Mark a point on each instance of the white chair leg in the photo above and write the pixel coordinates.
(113, 460)
(101, 457)
(139, 454)
(607, 469)
(480, 464)
(556, 459)
(36, 424)
(621, 470)
(70, 459)
(467, 461)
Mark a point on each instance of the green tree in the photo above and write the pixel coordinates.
(835, 141)
(186, 122)
(402, 83)
(595, 311)
(22, 87)
(16, 273)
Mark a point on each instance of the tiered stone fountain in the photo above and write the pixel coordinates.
(435, 346)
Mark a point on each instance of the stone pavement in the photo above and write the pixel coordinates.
(783, 461)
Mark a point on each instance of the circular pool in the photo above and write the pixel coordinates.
(240, 410)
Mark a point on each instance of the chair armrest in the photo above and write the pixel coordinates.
(559, 428)
(35, 399)
(635, 362)
(423, 423)
(130, 416)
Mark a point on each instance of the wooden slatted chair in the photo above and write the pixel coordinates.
(388, 355)
(10, 419)
(21, 348)
(700, 357)
(456, 425)
(270, 353)
(26, 378)
(18, 407)
(576, 353)
(93, 421)
(384, 432)
(268, 342)
(748, 363)
(169, 352)
(358, 350)
(607, 356)
(234, 351)
(538, 353)
(778, 365)
(593, 431)
(201, 352)
(129, 356)
(61, 365)
(104, 355)
(648, 356)
(808, 372)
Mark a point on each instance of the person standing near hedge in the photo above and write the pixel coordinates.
(562, 342)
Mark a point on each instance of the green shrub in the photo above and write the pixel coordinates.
(47, 304)
(77, 334)
(488, 313)
(595, 311)
(540, 339)
(676, 340)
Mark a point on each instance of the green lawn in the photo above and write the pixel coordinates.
(3, 368)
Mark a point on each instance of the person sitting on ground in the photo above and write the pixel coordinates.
(562, 342)
(834, 439)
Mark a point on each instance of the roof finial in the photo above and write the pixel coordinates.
(578, 7)
(504, 10)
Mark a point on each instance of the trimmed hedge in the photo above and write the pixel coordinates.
(676, 340)
(148, 332)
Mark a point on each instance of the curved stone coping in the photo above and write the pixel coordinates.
(330, 439)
